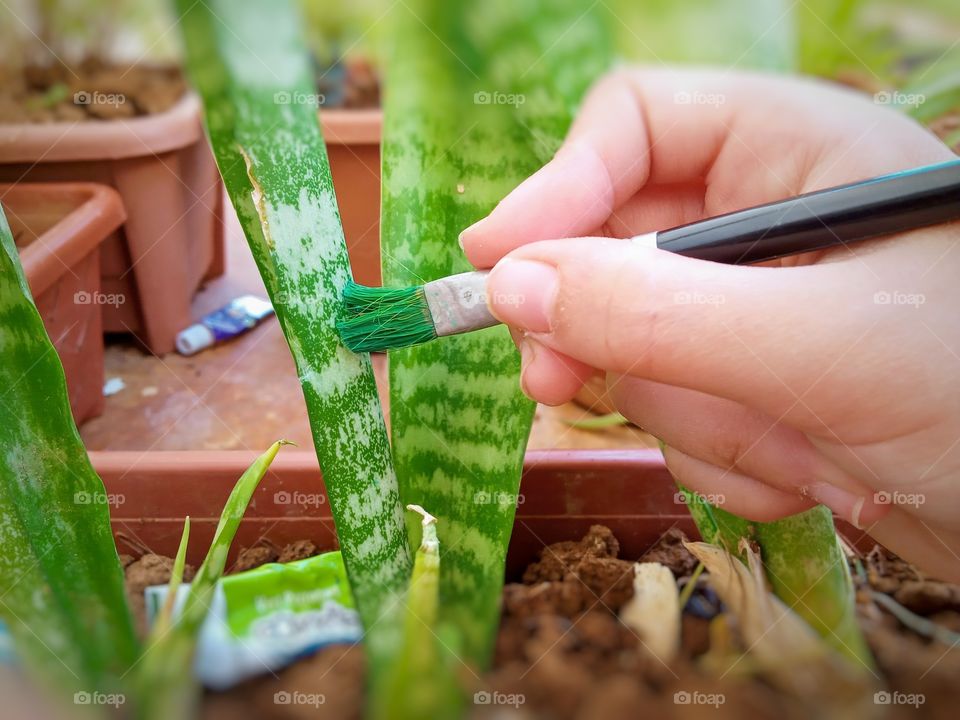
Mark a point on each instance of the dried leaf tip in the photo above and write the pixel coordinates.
(428, 519)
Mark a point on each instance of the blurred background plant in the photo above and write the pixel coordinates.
(907, 48)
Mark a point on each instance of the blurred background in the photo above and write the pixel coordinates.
(908, 45)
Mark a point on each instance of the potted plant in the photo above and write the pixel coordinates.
(59, 229)
(77, 116)
(457, 448)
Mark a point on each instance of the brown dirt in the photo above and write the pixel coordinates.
(254, 557)
(141, 574)
(562, 647)
(92, 90)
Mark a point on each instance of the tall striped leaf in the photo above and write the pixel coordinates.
(61, 585)
(478, 96)
(246, 59)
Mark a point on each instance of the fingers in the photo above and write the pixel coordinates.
(743, 441)
(548, 376)
(736, 493)
(604, 160)
(743, 139)
(727, 331)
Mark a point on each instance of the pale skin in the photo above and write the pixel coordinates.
(832, 377)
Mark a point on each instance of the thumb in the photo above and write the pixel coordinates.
(764, 336)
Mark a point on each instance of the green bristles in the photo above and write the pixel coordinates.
(378, 319)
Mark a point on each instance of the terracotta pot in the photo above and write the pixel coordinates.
(59, 229)
(163, 169)
(353, 146)
(564, 492)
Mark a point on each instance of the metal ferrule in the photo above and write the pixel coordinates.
(458, 303)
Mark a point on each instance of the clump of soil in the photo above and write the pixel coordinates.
(572, 577)
(91, 90)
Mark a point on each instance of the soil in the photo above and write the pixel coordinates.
(92, 90)
(562, 648)
(97, 90)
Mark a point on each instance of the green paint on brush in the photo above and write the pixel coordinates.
(378, 319)
(61, 584)
(478, 97)
(246, 59)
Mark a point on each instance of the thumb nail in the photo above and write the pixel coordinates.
(522, 294)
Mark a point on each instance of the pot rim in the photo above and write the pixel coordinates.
(103, 139)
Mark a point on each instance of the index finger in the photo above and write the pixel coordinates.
(630, 131)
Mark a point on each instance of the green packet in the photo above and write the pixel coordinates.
(263, 619)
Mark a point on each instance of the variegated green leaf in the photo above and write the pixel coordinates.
(478, 96)
(61, 585)
(246, 59)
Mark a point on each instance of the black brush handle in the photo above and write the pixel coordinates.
(882, 206)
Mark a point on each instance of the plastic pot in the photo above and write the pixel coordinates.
(353, 146)
(563, 492)
(166, 176)
(59, 229)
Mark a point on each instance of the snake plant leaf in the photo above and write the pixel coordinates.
(61, 584)
(165, 676)
(478, 97)
(805, 566)
(246, 59)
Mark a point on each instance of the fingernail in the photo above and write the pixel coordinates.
(522, 294)
(469, 233)
(855, 509)
(527, 357)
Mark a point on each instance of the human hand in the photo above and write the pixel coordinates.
(829, 377)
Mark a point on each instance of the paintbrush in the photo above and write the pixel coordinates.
(379, 318)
